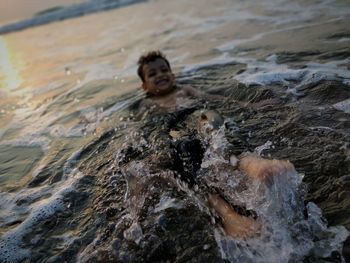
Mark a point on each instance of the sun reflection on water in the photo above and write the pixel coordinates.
(10, 78)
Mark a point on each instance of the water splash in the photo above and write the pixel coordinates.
(290, 231)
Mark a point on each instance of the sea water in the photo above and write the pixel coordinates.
(67, 83)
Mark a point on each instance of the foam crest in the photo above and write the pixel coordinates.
(343, 106)
(267, 145)
(15, 206)
(269, 72)
(11, 242)
(166, 202)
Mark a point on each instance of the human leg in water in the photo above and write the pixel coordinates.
(235, 225)
(256, 168)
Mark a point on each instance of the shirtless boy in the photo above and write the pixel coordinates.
(158, 81)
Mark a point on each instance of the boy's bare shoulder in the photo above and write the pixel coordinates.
(190, 91)
(195, 92)
(190, 88)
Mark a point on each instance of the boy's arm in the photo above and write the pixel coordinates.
(190, 91)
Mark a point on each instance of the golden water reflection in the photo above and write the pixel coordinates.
(10, 78)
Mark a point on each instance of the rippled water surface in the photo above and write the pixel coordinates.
(69, 126)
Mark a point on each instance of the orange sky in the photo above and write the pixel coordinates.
(12, 10)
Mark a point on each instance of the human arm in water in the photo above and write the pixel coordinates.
(191, 91)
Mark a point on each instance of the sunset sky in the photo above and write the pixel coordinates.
(13, 10)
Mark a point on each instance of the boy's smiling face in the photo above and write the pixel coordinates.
(158, 78)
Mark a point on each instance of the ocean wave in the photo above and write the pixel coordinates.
(57, 14)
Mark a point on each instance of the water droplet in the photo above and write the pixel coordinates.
(68, 71)
(233, 160)
(206, 247)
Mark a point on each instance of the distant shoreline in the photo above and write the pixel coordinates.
(61, 13)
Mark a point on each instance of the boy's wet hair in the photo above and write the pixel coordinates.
(147, 58)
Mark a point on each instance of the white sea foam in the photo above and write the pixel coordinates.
(269, 72)
(133, 233)
(69, 165)
(343, 105)
(92, 117)
(11, 241)
(166, 202)
(267, 145)
(15, 206)
(344, 39)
